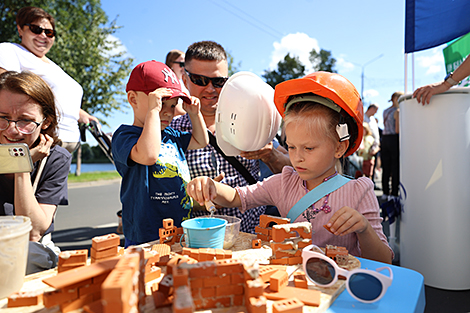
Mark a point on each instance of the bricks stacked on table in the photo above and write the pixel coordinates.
(104, 247)
(288, 240)
(69, 260)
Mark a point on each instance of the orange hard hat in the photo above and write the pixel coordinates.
(333, 87)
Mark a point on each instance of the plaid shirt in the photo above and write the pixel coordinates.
(208, 162)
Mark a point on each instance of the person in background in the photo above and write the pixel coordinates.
(36, 29)
(390, 150)
(175, 61)
(367, 151)
(369, 118)
(423, 94)
(206, 71)
(28, 115)
(319, 132)
(149, 155)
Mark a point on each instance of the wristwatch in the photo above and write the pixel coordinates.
(449, 79)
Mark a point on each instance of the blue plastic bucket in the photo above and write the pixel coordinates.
(204, 232)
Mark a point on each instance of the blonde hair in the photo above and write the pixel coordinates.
(317, 117)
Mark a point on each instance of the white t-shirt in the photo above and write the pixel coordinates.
(68, 93)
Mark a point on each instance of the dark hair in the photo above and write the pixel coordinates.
(205, 51)
(374, 106)
(28, 15)
(36, 89)
(172, 56)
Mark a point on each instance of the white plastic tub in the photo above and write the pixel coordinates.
(14, 241)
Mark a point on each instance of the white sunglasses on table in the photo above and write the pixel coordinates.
(364, 285)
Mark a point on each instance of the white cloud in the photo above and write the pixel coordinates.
(344, 66)
(370, 93)
(298, 44)
(433, 61)
(120, 48)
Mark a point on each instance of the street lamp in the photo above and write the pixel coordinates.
(362, 75)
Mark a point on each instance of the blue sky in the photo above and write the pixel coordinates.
(365, 36)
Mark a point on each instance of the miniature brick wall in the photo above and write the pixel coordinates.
(288, 240)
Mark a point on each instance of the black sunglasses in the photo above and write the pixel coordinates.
(181, 64)
(38, 30)
(200, 80)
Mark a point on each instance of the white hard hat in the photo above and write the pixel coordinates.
(246, 117)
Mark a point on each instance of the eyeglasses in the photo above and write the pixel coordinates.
(364, 285)
(201, 80)
(181, 64)
(23, 126)
(38, 30)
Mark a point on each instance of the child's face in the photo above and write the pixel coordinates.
(166, 113)
(312, 155)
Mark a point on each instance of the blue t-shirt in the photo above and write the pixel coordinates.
(150, 194)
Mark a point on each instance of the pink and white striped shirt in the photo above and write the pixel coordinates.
(284, 190)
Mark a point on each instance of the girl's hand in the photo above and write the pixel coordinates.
(156, 98)
(346, 221)
(42, 149)
(202, 189)
(194, 107)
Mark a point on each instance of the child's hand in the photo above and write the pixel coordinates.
(346, 221)
(202, 189)
(194, 107)
(156, 97)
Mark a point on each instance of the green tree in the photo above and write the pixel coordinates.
(232, 67)
(289, 68)
(322, 61)
(84, 48)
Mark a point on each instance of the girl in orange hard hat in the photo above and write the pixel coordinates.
(323, 118)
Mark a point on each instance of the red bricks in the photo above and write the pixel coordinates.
(287, 243)
(18, 299)
(104, 242)
(257, 305)
(339, 254)
(278, 280)
(256, 243)
(292, 305)
(300, 281)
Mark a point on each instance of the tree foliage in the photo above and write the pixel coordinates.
(289, 68)
(84, 48)
(322, 61)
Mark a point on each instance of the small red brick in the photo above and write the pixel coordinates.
(216, 281)
(263, 231)
(73, 258)
(154, 273)
(278, 280)
(228, 290)
(55, 297)
(237, 278)
(254, 288)
(105, 242)
(292, 305)
(228, 266)
(300, 280)
(168, 223)
(263, 237)
(265, 272)
(257, 305)
(287, 253)
(104, 253)
(256, 243)
(208, 292)
(19, 299)
(180, 277)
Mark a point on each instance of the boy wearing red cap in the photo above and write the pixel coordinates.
(149, 155)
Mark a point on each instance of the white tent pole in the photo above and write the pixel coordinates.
(406, 73)
(413, 72)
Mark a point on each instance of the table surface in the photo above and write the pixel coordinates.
(406, 294)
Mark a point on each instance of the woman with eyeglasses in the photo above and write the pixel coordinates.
(175, 61)
(36, 29)
(28, 115)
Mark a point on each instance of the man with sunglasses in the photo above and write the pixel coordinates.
(36, 29)
(206, 71)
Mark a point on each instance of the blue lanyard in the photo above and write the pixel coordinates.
(316, 194)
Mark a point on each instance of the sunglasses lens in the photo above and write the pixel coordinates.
(320, 271)
(365, 286)
(35, 29)
(219, 82)
(49, 33)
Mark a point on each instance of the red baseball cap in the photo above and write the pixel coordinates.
(151, 75)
